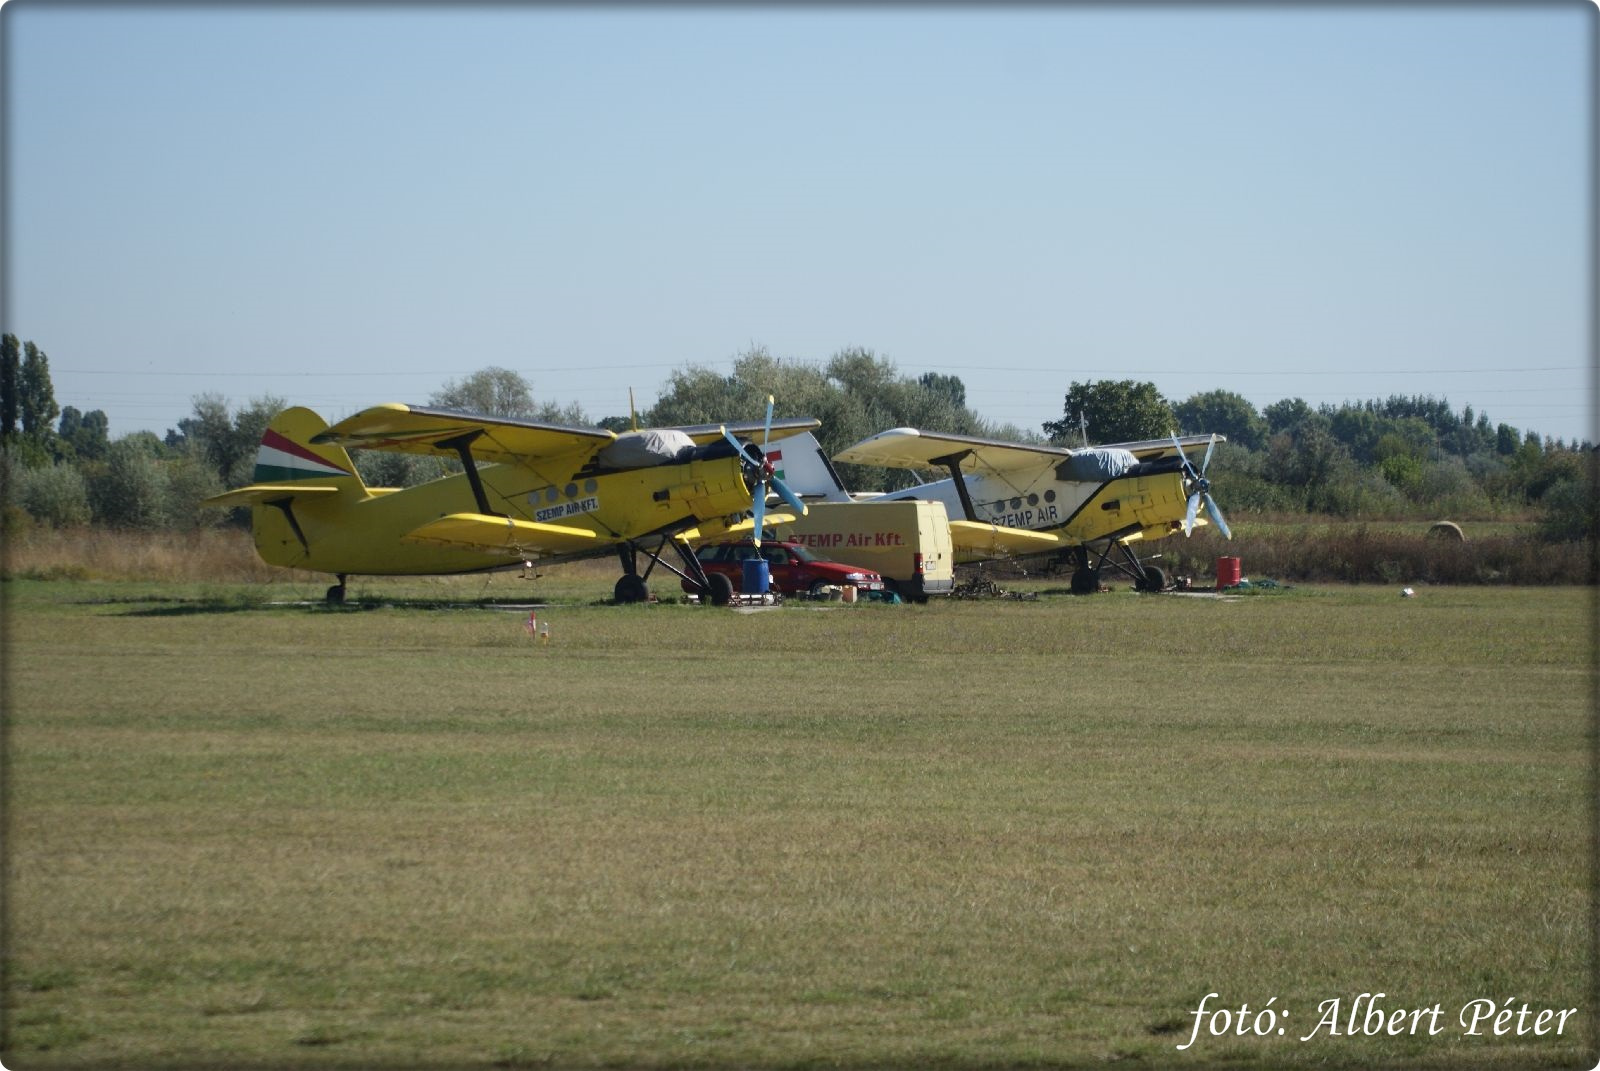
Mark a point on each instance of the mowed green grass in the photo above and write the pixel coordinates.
(965, 834)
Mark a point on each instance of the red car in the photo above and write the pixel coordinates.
(793, 569)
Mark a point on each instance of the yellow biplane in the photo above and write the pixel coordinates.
(528, 492)
(1088, 506)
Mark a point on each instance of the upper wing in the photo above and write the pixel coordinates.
(1150, 449)
(781, 428)
(418, 430)
(909, 448)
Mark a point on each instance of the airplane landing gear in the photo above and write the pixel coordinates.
(1085, 581)
(1153, 580)
(631, 588)
(1086, 572)
(335, 594)
(719, 589)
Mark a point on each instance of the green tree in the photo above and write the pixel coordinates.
(131, 490)
(1226, 413)
(948, 387)
(85, 436)
(55, 495)
(389, 468)
(10, 386)
(1115, 410)
(1570, 509)
(189, 479)
(1285, 415)
(855, 394)
(36, 397)
(224, 440)
(491, 391)
(1313, 462)
(500, 392)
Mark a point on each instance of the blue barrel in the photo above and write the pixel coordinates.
(757, 577)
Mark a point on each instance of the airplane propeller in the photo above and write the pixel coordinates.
(1202, 489)
(762, 471)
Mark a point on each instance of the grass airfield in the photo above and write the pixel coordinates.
(246, 830)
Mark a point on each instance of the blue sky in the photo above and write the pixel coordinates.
(354, 205)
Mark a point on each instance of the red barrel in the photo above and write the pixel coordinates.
(1228, 573)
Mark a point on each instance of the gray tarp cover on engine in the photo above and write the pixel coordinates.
(1096, 463)
(642, 449)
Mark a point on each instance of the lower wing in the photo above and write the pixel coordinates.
(482, 531)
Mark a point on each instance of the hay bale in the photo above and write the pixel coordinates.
(1447, 530)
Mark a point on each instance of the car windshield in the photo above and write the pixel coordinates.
(806, 556)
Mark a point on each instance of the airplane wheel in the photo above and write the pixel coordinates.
(631, 588)
(1154, 580)
(719, 589)
(335, 595)
(1085, 582)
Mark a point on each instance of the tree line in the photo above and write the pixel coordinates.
(1398, 457)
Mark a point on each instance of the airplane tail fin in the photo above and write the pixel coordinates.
(289, 465)
(800, 462)
(293, 479)
(287, 455)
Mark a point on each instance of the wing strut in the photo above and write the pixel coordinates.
(462, 445)
(283, 506)
(953, 463)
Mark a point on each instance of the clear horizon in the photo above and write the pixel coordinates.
(349, 206)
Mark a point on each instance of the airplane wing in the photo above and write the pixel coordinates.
(257, 493)
(994, 541)
(416, 429)
(719, 528)
(910, 448)
(1150, 449)
(749, 429)
(482, 531)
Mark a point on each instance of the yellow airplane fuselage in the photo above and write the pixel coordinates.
(1077, 512)
(369, 531)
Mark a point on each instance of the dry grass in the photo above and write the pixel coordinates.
(219, 555)
(1016, 834)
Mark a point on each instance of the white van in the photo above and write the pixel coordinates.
(908, 542)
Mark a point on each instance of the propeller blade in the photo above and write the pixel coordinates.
(737, 445)
(1188, 519)
(758, 510)
(1176, 445)
(1216, 518)
(1205, 462)
(766, 432)
(789, 496)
